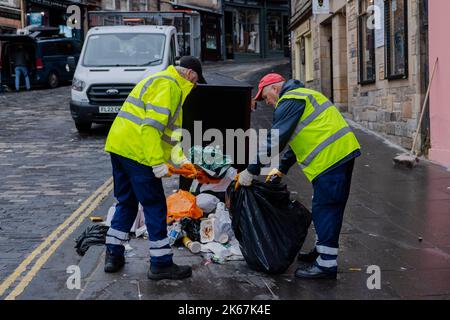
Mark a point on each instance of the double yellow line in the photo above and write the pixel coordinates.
(49, 246)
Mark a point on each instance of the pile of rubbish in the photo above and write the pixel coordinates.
(259, 224)
(198, 219)
(200, 223)
(211, 234)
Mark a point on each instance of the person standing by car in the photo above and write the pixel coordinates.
(21, 59)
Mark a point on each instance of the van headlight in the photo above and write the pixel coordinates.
(78, 85)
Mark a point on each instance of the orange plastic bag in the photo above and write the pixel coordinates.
(182, 204)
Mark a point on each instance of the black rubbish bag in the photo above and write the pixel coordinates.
(94, 235)
(191, 227)
(269, 226)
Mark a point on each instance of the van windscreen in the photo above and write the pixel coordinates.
(124, 49)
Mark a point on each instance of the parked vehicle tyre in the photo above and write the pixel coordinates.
(83, 127)
(53, 80)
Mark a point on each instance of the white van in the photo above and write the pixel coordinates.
(113, 60)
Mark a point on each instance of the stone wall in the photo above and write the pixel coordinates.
(390, 107)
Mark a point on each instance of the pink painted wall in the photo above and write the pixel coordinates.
(439, 41)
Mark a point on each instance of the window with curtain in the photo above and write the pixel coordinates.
(396, 39)
(366, 44)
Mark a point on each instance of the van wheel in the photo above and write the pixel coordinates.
(83, 127)
(53, 80)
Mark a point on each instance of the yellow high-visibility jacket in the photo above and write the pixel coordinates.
(322, 137)
(145, 128)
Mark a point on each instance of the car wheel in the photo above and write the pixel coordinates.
(83, 127)
(53, 80)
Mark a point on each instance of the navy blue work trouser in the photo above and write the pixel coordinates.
(135, 183)
(331, 191)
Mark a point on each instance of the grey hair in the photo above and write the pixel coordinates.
(275, 84)
(182, 71)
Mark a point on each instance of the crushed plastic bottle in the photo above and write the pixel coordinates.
(223, 231)
(174, 232)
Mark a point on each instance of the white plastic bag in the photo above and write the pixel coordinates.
(207, 202)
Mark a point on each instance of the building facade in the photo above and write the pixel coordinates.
(440, 87)
(134, 5)
(211, 21)
(200, 37)
(370, 58)
(10, 16)
(55, 13)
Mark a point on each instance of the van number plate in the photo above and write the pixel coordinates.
(114, 109)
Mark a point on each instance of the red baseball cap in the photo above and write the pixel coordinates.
(267, 80)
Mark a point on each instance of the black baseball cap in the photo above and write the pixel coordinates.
(193, 63)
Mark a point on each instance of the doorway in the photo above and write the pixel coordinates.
(229, 35)
(211, 37)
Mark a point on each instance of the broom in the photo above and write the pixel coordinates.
(410, 159)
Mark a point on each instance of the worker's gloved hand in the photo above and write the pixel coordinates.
(244, 178)
(274, 176)
(187, 165)
(161, 170)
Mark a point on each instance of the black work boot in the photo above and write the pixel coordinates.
(174, 272)
(309, 257)
(113, 263)
(314, 272)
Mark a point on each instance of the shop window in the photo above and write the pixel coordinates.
(366, 44)
(275, 27)
(246, 31)
(396, 39)
(211, 41)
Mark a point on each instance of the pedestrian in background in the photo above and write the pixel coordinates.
(21, 60)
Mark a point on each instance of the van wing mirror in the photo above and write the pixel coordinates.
(71, 63)
(177, 60)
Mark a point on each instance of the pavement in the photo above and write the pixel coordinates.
(397, 219)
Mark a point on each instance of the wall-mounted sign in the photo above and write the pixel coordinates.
(321, 6)
(35, 18)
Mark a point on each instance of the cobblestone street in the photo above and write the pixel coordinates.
(47, 169)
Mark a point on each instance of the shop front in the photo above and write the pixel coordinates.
(211, 25)
(52, 13)
(255, 28)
